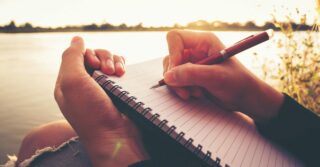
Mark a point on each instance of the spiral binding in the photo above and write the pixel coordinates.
(124, 95)
(136, 106)
(131, 98)
(154, 117)
(180, 136)
(146, 110)
(114, 88)
(218, 160)
(189, 142)
(171, 129)
(162, 123)
(198, 149)
(207, 156)
(106, 83)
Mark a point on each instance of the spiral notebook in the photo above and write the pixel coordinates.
(213, 136)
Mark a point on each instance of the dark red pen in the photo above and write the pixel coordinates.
(226, 53)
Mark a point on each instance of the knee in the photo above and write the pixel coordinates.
(49, 135)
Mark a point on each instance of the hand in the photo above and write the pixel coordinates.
(228, 84)
(109, 138)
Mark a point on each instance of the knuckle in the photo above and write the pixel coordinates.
(104, 53)
(187, 72)
(188, 69)
(118, 58)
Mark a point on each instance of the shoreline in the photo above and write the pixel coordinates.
(120, 31)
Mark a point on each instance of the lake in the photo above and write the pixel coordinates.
(29, 64)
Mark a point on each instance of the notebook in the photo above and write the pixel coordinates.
(197, 126)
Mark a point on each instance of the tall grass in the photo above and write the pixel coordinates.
(298, 72)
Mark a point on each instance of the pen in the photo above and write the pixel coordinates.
(226, 53)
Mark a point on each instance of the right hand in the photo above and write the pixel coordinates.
(228, 84)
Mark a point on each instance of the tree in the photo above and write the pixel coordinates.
(27, 27)
(123, 26)
(200, 24)
(138, 26)
(250, 25)
(107, 26)
(11, 26)
(91, 27)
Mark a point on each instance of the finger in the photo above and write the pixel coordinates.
(201, 44)
(192, 39)
(176, 48)
(196, 92)
(106, 58)
(180, 41)
(72, 69)
(73, 57)
(183, 93)
(198, 54)
(91, 59)
(119, 65)
(165, 64)
(194, 75)
(123, 59)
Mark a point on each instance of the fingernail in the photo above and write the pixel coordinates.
(75, 39)
(110, 65)
(119, 65)
(170, 77)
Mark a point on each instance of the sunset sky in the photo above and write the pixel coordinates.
(149, 12)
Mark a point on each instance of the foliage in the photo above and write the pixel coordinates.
(298, 72)
(196, 25)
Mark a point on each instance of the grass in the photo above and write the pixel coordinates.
(298, 73)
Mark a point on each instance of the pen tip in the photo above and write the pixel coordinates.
(270, 33)
(155, 86)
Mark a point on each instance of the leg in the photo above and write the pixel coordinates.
(49, 135)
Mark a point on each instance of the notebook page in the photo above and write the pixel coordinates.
(230, 136)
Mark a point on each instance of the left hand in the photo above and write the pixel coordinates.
(109, 138)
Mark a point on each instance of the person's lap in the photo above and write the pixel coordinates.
(52, 144)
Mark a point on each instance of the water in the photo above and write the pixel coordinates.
(29, 64)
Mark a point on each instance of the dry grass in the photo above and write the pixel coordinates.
(298, 72)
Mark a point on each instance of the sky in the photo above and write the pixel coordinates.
(149, 12)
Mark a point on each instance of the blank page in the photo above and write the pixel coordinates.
(231, 136)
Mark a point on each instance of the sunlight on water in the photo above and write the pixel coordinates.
(29, 64)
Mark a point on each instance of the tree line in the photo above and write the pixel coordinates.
(12, 27)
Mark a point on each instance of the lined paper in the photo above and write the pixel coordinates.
(230, 136)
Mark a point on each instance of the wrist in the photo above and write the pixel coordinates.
(262, 102)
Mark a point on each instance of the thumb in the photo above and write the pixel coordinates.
(78, 44)
(190, 75)
(73, 57)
